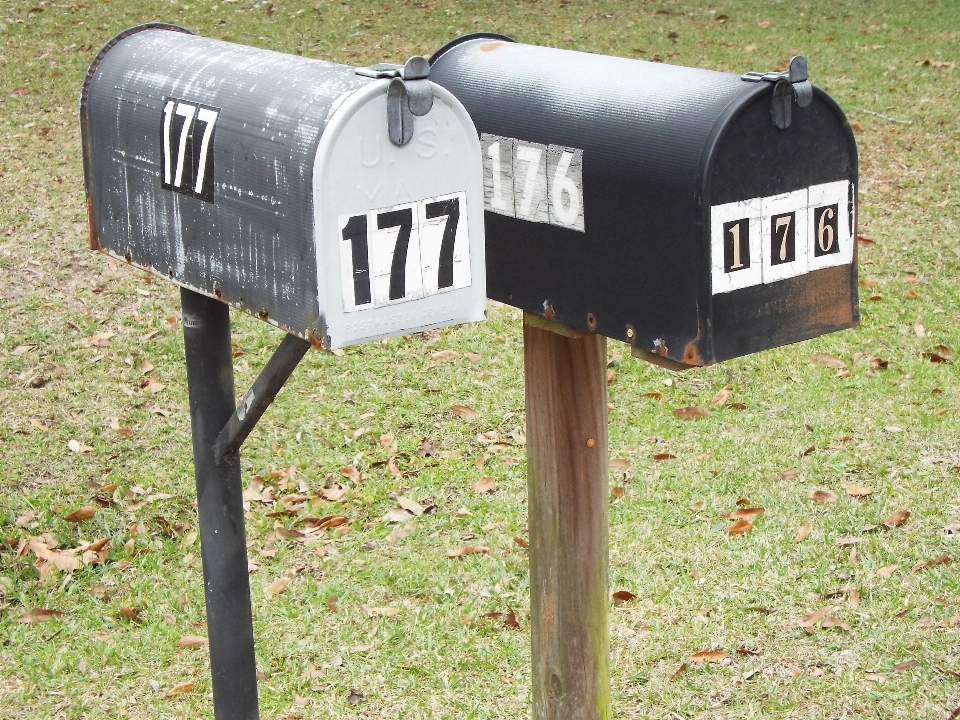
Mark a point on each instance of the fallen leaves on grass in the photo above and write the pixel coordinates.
(396, 515)
(802, 532)
(84, 513)
(410, 505)
(132, 614)
(444, 355)
(618, 492)
(829, 361)
(277, 587)
(721, 397)
(429, 448)
(181, 689)
(691, 412)
(485, 485)
(896, 519)
(661, 456)
(464, 412)
(622, 596)
(78, 447)
(38, 615)
(923, 564)
(740, 527)
(192, 641)
(709, 656)
(745, 513)
(790, 474)
(858, 492)
(622, 466)
(468, 550)
(822, 495)
(886, 572)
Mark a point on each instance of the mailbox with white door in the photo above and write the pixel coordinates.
(337, 205)
(340, 204)
(697, 215)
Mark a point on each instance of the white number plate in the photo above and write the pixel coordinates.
(764, 240)
(529, 181)
(404, 252)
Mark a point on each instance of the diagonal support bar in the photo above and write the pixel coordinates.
(265, 388)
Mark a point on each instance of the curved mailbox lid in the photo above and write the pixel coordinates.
(377, 202)
(652, 145)
(240, 223)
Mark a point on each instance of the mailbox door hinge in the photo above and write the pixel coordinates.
(789, 86)
(408, 95)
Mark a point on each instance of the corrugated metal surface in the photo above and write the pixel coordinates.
(253, 244)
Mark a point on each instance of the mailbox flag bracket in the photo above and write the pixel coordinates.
(789, 86)
(255, 403)
(409, 94)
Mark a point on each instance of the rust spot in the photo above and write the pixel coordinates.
(548, 311)
(316, 341)
(218, 292)
(691, 356)
(94, 236)
(264, 314)
(662, 347)
(491, 46)
(128, 256)
(591, 321)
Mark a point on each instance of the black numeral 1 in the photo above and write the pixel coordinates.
(356, 232)
(450, 208)
(736, 245)
(398, 268)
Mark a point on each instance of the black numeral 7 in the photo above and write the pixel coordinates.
(450, 208)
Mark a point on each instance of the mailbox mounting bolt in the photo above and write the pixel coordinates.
(591, 321)
(631, 333)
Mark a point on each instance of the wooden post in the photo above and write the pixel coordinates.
(566, 404)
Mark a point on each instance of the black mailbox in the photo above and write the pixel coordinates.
(340, 204)
(696, 215)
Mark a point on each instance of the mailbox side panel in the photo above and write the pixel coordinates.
(629, 264)
(238, 224)
(783, 181)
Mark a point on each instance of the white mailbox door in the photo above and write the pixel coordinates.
(399, 229)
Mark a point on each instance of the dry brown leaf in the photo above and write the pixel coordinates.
(396, 515)
(618, 492)
(132, 614)
(399, 533)
(661, 456)
(521, 542)
(721, 397)
(896, 519)
(38, 425)
(181, 688)
(886, 572)
(829, 361)
(906, 665)
(38, 615)
(745, 513)
(802, 532)
(679, 671)
(468, 550)
(410, 505)
(78, 447)
(822, 495)
(829, 622)
(655, 395)
(84, 513)
(192, 641)
(853, 598)
(740, 527)
(790, 474)
(484, 485)
(918, 329)
(622, 596)
(444, 355)
(277, 587)
(429, 448)
(691, 412)
(351, 473)
(858, 491)
(464, 412)
(924, 564)
(809, 621)
(332, 494)
(708, 656)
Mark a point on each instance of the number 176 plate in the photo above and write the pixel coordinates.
(404, 252)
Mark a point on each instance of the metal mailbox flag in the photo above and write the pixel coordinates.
(696, 215)
(341, 205)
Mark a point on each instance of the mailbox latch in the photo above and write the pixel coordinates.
(788, 86)
(409, 94)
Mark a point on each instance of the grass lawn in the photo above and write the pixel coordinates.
(822, 611)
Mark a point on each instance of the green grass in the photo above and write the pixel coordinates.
(697, 587)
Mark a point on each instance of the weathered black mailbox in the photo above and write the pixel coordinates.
(697, 215)
(339, 204)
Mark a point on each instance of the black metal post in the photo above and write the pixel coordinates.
(206, 336)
